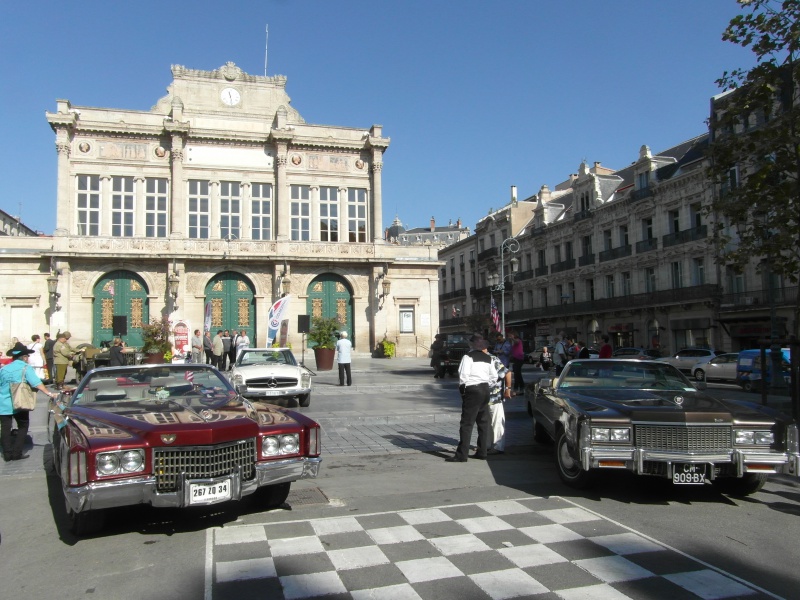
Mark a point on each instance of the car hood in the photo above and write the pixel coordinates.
(191, 422)
(265, 370)
(668, 405)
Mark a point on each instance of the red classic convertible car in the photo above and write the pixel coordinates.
(172, 436)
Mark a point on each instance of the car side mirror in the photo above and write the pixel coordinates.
(545, 383)
(700, 385)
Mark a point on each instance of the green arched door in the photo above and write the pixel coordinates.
(233, 305)
(120, 294)
(329, 296)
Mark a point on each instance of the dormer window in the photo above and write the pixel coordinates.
(643, 181)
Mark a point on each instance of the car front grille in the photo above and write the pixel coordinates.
(202, 462)
(272, 382)
(683, 438)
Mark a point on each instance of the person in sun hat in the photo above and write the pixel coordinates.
(12, 373)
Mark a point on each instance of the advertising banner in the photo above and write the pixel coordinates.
(275, 317)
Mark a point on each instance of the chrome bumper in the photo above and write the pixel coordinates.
(142, 490)
(634, 459)
(265, 394)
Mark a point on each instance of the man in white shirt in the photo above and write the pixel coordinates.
(476, 373)
(343, 350)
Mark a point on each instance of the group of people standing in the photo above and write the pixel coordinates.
(222, 350)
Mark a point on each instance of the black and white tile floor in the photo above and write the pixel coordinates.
(542, 548)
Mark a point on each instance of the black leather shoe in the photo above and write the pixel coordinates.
(478, 456)
(20, 457)
(6, 457)
(455, 459)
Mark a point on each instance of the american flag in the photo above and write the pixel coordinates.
(189, 375)
(495, 316)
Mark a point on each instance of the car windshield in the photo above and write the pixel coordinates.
(623, 374)
(266, 356)
(454, 338)
(165, 383)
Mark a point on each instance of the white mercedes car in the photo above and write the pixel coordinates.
(267, 373)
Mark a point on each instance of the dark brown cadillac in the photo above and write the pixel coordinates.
(648, 418)
(173, 436)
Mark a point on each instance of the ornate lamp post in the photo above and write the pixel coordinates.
(497, 283)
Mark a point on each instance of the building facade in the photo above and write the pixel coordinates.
(627, 253)
(211, 206)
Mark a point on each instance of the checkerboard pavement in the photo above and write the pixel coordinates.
(542, 548)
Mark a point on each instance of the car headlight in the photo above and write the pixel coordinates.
(747, 437)
(119, 462)
(305, 379)
(238, 380)
(611, 434)
(275, 445)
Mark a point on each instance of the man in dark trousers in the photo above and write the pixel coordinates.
(226, 351)
(48, 357)
(476, 373)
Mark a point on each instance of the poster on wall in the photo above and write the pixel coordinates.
(406, 321)
(181, 339)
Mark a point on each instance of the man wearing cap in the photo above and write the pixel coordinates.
(63, 354)
(476, 373)
(13, 373)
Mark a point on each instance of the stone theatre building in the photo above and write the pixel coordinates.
(220, 199)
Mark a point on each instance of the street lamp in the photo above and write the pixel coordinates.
(497, 283)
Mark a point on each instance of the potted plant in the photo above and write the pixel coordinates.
(156, 344)
(322, 337)
(387, 349)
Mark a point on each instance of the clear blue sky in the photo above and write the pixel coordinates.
(475, 95)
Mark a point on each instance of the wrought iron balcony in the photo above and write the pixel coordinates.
(586, 260)
(646, 245)
(615, 253)
(758, 299)
(687, 235)
(541, 271)
(564, 265)
(698, 293)
(487, 254)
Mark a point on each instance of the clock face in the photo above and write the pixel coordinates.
(230, 96)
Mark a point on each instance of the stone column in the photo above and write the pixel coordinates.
(106, 191)
(64, 201)
(246, 212)
(281, 202)
(378, 145)
(177, 220)
(313, 198)
(377, 201)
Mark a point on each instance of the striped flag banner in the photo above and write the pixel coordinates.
(495, 316)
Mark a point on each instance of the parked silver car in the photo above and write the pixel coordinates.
(720, 367)
(687, 358)
(267, 373)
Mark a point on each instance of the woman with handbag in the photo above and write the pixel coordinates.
(10, 375)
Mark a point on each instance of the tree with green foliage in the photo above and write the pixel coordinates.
(755, 143)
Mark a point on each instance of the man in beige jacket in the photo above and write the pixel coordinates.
(63, 354)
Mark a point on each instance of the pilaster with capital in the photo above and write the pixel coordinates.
(377, 197)
(64, 206)
(178, 188)
(281, 138)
